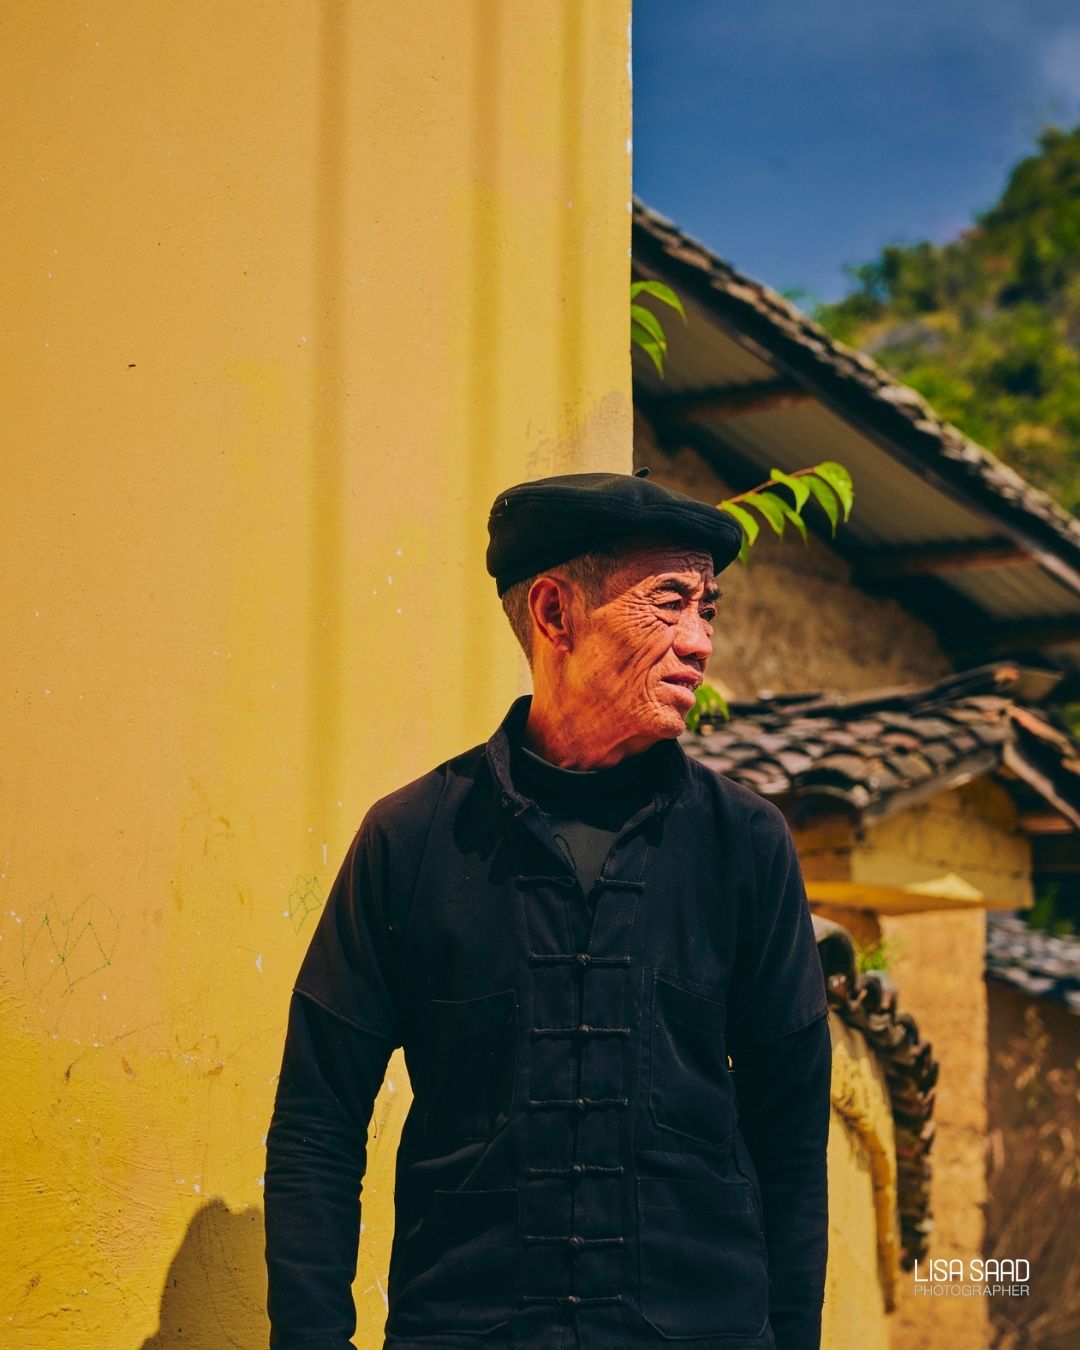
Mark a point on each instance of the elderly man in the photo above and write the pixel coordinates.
(599, 959)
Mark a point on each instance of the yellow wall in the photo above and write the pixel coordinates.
(291, 291)
(965, 843)
(961, 849)
(939, 972)
(864, 1236)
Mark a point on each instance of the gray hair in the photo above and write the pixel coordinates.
(589, 572)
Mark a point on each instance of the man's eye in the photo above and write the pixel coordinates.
(671, 604)
(708, 613)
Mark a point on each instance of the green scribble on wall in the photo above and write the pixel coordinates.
(70, 946)
(305, 897)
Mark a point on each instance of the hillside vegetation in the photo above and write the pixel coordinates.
(987, 327)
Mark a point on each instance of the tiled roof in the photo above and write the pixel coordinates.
(1033, 961)
(882, 750)
(868, 1001)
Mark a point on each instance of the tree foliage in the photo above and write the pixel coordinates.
(987, 327)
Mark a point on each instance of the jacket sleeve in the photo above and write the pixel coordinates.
(782, 1071)
(342, 1029)
(315, 1160)
(783, 1102)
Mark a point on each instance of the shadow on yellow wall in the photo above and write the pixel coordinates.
(215, 1291)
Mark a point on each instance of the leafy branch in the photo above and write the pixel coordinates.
(827, 483)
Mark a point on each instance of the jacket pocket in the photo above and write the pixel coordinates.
(690, 1091)
(703, 1269)
(456, 1271)
(465, 1066)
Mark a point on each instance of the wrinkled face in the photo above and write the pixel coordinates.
(639, 656)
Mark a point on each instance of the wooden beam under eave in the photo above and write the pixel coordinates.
(882, 899)
(734, 401)
(1044, 822)
(965, 556)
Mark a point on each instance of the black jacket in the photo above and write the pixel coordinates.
(612, 1145)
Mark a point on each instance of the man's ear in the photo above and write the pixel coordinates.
(549, 605)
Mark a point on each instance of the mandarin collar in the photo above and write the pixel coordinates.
(668, 757)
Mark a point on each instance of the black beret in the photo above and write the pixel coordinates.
(536, 525)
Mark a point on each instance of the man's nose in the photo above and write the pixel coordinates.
(693, 636)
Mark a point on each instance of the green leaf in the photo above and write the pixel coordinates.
(745, 519)
(659, 291)
(648, 346)
(825, 496)
(799, 490)
(648, 320)
(769, 506)
(709, 706)
(839, 480)
(791, 514)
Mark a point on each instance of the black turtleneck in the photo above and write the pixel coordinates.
(585, 809)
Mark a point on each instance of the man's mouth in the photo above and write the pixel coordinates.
(687, 681)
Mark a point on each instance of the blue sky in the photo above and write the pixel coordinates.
(794, 136)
